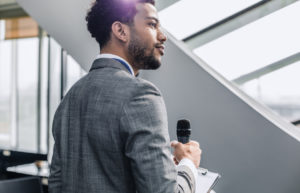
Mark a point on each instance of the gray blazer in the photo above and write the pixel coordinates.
(111, 135)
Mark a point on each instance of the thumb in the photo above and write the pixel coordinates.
(174, 143)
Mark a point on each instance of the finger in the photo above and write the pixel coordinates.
(194, 143)
(175, 161)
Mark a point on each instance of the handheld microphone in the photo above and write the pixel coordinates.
(183, 131)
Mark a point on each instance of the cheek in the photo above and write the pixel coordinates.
(146, 37)
(150, 34)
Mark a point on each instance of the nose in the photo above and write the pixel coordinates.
(161, 36)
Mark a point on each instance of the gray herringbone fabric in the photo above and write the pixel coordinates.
(111, 136)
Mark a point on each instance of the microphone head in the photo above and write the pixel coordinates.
(183, 124)
(183, 128)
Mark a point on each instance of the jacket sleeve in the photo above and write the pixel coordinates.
(147, 145)
(54, 181)
(55, 173)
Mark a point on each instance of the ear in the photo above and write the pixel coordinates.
(120, 31)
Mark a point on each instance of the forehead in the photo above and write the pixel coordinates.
(145, 10)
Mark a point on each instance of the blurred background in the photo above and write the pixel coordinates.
(252, 45)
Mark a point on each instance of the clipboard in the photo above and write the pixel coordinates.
(206, 180)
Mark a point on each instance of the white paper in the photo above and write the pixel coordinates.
(205, 182)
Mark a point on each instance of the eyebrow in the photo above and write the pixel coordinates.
(154, 18)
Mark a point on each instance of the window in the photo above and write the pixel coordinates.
(256, 45)
(74, 72)
(200, 14)
(261, 57)
(278, 90)
(19, 64)
(27, 78)
(31, 83)
(6, 86)
(259, 45)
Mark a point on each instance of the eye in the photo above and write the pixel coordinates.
(152, 24)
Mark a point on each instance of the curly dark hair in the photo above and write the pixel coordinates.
(104, 13)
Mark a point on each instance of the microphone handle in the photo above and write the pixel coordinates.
(183, 139)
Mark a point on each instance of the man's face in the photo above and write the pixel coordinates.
(146, 38)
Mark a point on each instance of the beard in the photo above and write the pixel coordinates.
(138, 52)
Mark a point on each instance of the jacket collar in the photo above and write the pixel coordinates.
(108, 63)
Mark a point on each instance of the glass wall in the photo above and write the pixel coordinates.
(55, 81)
(27, 78)
(33, 78)
(73, 72)
(6, 93)
(44, 80)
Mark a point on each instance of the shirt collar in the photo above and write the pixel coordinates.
(116, 57)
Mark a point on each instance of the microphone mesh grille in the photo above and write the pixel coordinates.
(183, 124)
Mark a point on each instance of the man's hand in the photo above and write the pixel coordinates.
(190, 150)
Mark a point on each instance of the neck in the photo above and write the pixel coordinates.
(122, 54)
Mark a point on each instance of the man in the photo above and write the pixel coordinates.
(110, 130)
